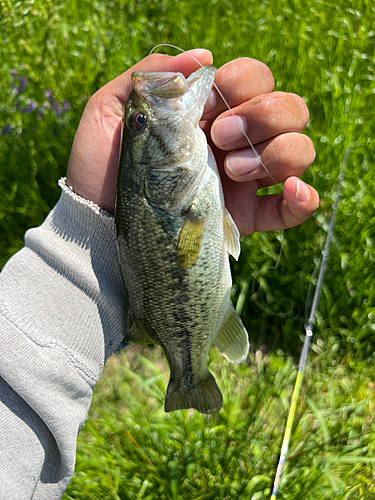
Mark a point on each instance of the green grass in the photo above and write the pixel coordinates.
(129, 448)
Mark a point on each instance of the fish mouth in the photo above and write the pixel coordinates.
(174, 92)
(167, 85)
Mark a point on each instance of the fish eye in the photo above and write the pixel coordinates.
(137, 120)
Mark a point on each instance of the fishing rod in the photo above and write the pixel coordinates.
(309, 332)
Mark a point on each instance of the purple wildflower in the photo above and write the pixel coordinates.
(21, 87)
(22, 84)
(41, 112)
(57, 108)
(31, 107)
(65, 105)
(6, 129)
(49, 94)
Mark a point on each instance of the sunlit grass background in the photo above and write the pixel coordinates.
(53, 56)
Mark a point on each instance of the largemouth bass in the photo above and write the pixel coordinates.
(174, 235)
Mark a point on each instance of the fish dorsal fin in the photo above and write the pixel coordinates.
(190, 239)
(232, 339)
(231, 235)
(135, 332)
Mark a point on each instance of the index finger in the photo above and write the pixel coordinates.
(239, 81)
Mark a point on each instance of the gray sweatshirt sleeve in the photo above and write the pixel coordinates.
(62, 308)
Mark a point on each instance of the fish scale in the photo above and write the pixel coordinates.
(174, 235)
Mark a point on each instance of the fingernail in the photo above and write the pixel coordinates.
(242, 162)
(302, 191)
(211, 103)
(228, 130)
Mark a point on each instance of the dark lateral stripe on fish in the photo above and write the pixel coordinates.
(183, 318)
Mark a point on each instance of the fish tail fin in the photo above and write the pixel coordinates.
(204, 396)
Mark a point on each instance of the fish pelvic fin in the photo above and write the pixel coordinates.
(190, 239)
(231, 235)
(135, 332)
(204, 396)
(232, 339)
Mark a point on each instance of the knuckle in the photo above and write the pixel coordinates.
(283, 150)
(309, 148)
(266, 75)
(302, 110)
(293, 151)
(263, 71)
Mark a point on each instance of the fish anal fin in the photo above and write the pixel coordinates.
(231, 235)
(232, 340)
(190, 239)
(135, 332)
(204, 396)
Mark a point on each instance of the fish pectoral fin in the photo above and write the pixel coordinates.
(231, 235)
(190, 239)
(135, 332)
(205, 396)
(232, 339)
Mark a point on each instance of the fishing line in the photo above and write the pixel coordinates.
(309, 329)
(237, 119)
(226, 104)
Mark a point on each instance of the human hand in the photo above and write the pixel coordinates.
(93, 163)
(271, 120)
